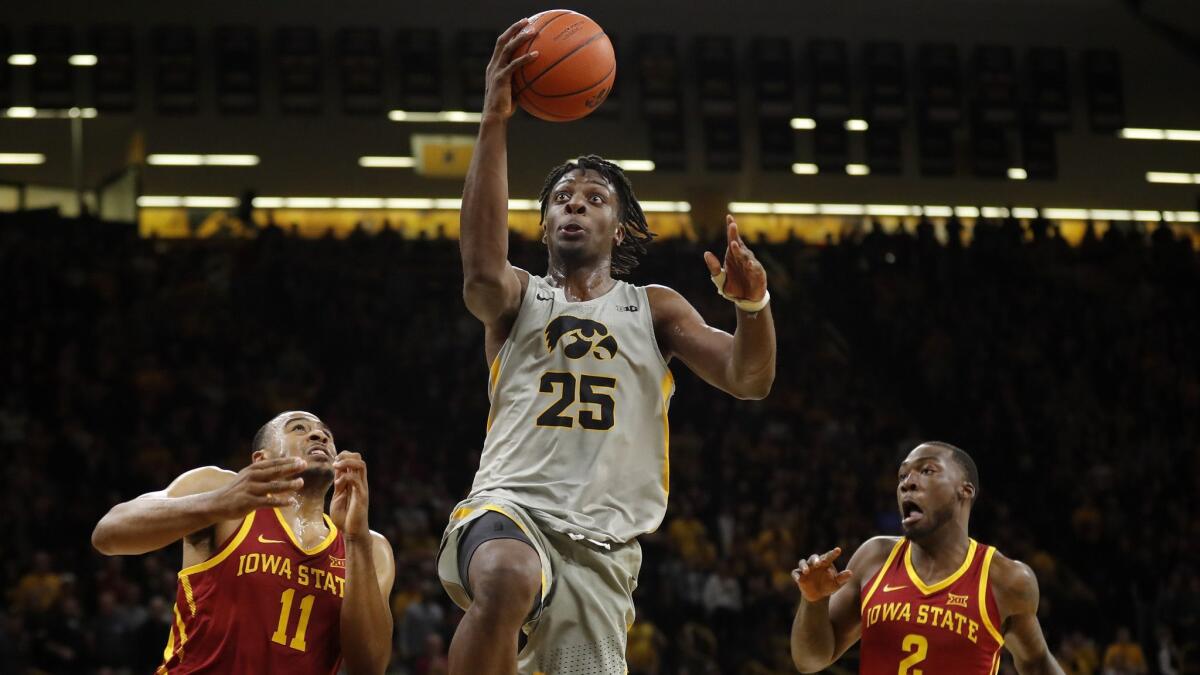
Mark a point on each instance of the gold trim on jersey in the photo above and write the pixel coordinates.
(319, 547)
(983, 587)
(222, 554)
(881, 573)
(187, 593)
(927, 589)
(171, 649)
(493, 380)
(668, 388)
(170, 637)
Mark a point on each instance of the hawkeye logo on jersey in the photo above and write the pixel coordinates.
(953, 600)
(582, 336)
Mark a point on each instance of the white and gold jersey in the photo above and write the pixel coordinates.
(577, 431)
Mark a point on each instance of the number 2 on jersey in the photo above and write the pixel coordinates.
(589, 394)
(285, 613)
(919, 647)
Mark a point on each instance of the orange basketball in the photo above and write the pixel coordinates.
(574, 71)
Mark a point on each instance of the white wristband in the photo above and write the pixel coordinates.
(751, 306)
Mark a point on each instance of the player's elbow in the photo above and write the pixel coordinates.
(756, 389)
(357, 662)
(805, 662)
(104, 538)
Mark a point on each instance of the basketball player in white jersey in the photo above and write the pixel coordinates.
(574, 466)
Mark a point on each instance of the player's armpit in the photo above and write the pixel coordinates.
(496, 308)
(491, 297)
(1017, 596)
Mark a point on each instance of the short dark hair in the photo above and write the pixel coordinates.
(964, 462)
(260, 437)
(629, 214)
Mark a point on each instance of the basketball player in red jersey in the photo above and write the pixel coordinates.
(270, 583)
(933, 602)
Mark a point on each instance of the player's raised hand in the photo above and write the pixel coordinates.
(818, 578)
(348, 510)
(263, 484)
(498, 92)
(745, 278)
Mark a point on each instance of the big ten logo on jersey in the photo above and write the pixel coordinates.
(580, 337)
(933, 616)
(281, 566)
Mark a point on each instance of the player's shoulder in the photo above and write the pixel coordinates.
(660, 291)
(665, 301)
(874, 550)
(1013, 582)
(380, 542)
(200, 479)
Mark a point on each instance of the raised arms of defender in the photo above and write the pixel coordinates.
(204, 507)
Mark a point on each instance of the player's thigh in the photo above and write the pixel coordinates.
(582, 629)
(504, 571)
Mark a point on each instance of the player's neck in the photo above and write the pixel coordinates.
(584, 282)
(942, 550)
(306, 516)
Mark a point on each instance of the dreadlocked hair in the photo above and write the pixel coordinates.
(633, 221)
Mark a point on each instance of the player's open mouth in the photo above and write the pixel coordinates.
(318, 451)
(571, 228)
(910, 512)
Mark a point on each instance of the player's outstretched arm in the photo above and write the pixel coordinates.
(491, 286)
(1017, 596)
(827, 620)
(742, 364)
(366, 619)
(196, 500)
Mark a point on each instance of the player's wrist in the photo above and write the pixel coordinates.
(744, 304)
(494, 119)
(753, 306)
(213, 506)
(823, 600)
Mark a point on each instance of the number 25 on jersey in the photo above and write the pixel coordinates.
(592, 390)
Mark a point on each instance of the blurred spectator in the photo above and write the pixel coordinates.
(1170, 656)
(39, 589)
(1124, 656)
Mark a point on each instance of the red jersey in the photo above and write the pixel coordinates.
(262, 604)
(947, 628)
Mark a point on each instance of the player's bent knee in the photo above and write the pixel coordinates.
(504, 576)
